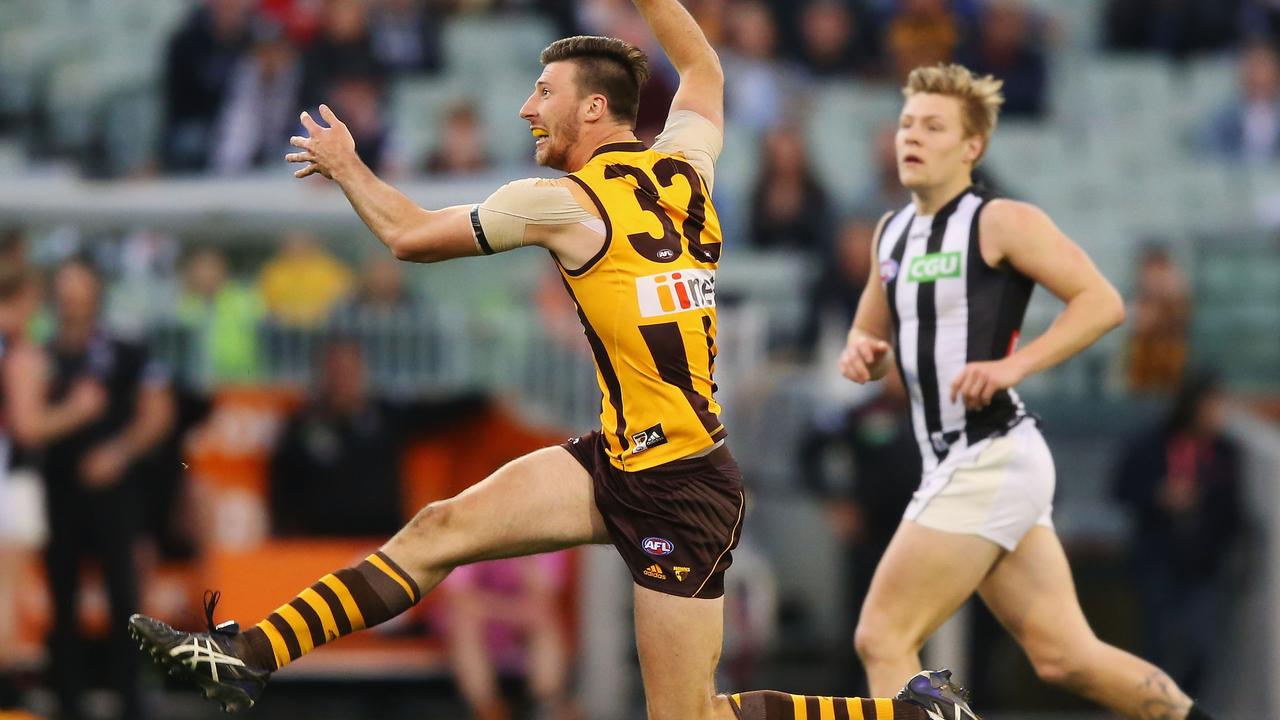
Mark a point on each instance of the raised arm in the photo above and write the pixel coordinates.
(701, 78)
(1024, 236)
(410, 232)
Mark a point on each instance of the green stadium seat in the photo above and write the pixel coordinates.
(418, 107)
(840, 126)
(479, 49)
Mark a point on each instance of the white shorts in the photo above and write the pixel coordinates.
(997, 489)
(22, 519)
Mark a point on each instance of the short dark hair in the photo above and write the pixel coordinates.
(611, 67)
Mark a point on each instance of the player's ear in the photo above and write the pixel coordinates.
(973, 148)
(596, 107)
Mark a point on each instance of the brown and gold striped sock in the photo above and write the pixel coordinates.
(772, 705)
(339, 604)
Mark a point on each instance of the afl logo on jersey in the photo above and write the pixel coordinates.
(888, 270)
(657, 546)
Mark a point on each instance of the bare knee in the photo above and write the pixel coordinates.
(423, 541)
(1060, 662)
(877, 640)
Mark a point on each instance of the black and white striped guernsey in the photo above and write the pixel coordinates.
(949, 308)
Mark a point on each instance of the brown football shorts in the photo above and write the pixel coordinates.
(675, 525)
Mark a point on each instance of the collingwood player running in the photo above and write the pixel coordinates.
(956, 269)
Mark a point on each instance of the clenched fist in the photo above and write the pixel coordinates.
(865, 358)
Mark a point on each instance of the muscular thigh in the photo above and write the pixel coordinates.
(1031, 592)
(537, 503)
(923, 578)
(679, 641)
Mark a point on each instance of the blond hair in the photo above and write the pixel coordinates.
(980, 97)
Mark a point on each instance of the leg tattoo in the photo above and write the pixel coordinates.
(1160, 699)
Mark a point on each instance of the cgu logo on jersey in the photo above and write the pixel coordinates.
(675, 292)
(657, 546)
(934, 266)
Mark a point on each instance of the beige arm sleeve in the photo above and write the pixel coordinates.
(499, 222)
(695, 137)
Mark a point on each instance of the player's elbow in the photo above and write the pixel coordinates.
(1113, 310)
(411, 247)
(399, 247)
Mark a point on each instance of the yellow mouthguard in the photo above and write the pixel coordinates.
(539, 133)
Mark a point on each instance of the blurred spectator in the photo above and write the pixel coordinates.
(380, 314)
(341, 52)
(358, 101)
(504, 616)
(923, 32)
(198, 67)
(1182, 483)
(836, 41)
(261, 108)
(336, 467)
(169, 525)
(1157, 352)
(382, 296)
(1178, 28)
(559, 313)
(1010, 46)
(884, 191)
(222, 317)
(13, 248)
(789, 207)
(712, 17)
(833, 297)
(758, 85)
(23, 421)
(93, 489)
(877, 443)
(461, 148)
(303, 282)
(300, 18)
(406, 35)
(1248, 130)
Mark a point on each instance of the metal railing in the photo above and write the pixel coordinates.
(442, 349)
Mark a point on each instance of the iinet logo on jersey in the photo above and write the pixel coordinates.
(675, 292)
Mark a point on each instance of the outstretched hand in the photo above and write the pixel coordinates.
(325, 149)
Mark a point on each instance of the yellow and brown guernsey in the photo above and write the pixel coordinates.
(648, 306)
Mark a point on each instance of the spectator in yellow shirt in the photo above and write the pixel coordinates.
(303, 282)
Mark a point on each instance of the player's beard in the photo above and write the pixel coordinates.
(555, 152)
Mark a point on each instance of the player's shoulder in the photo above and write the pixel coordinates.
(537, 183)
(1005, 215)
(881, 224)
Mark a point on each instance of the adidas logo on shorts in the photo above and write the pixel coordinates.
(654, 571)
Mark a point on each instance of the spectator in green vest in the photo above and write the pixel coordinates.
(222, 315)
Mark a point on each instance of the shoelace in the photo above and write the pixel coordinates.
(211, 598)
